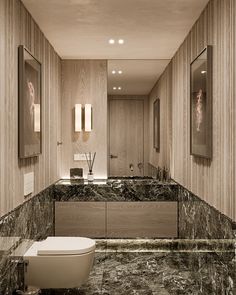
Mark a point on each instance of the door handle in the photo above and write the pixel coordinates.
(113, 157)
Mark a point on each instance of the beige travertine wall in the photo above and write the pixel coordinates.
(18, 28)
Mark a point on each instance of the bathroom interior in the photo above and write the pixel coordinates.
(117, 147)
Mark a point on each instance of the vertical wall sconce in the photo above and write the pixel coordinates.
(78, 117)
(88, 117)
(36, 117)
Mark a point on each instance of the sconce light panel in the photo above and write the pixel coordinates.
(88, 117)
(36, 117)
(78, 117)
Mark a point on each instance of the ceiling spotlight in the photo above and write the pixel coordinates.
(111, 41)
(121, 41)
(114, 88)
(119, 88)
(203, 72)
(113, 72)
(120, 72)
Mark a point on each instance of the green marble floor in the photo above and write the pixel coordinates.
(161, 267)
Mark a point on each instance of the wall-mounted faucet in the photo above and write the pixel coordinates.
(140, 166)
(131, 167)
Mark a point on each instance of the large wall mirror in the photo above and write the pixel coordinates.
(133, 124)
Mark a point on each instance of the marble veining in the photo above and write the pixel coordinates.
(33, 220)
(160, 271)
(116, 190)
(198, 220)
(200, 261)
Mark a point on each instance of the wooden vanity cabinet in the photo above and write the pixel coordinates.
(116, 219)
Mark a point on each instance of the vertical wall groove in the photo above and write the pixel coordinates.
(84, 81)
(213, 181)
(17, 27)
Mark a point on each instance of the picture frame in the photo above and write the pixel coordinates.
(29, 104)
(201, 104)
(156, 125)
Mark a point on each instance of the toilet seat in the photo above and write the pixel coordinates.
(65, 246)
(61, 246)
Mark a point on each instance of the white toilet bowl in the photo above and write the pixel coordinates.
(59, 262)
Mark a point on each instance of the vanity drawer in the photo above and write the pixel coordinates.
(142, 219)
(80, 219)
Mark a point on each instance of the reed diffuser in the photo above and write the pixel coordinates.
(90, 158)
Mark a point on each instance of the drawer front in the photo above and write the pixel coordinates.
(85, 219)
(142, 219)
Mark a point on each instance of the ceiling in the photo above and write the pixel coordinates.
(138, 76)
(151, 29)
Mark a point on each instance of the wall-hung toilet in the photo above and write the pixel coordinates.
(59, 262)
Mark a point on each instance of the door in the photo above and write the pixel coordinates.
(126, 127)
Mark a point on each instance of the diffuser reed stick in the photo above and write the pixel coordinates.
(90, 158)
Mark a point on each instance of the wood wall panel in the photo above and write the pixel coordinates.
(17, 27)
(213, 181)
(84, 81)
(161, 90)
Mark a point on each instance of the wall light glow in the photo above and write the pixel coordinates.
(36, 117)
(78, 117)
(88, 117)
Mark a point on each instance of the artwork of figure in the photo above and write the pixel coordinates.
(32, 138)
(29, 104)
(199, 117)
(201, 104)
(199, 110)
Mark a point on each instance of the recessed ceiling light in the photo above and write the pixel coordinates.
(114, 88)
(121, 41)
(119, 88)
(113, 72)
(111, 41)
(203, 72)
(120, 72)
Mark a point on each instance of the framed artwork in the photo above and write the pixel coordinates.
(201, 105)
(29, 104)
(156, 124)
